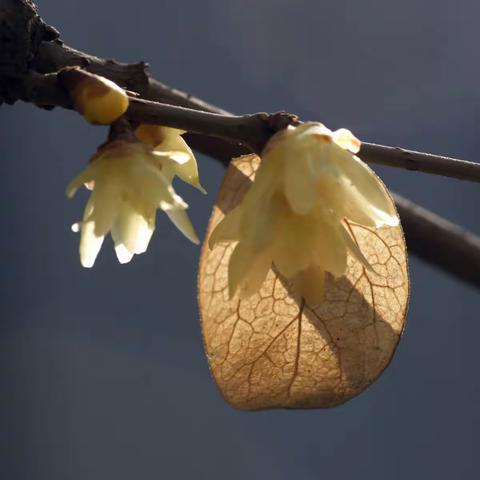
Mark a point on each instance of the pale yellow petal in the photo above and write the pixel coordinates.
(268, 181)
(345, 139)
(172, 202)
(300, 188)
(228, 229)
(353, 247)
(122, 252)
(180, 219)
(179, 158)
(330, 251)
(286, 263)
(310, 285)
(247, 270)
(238, 267)
(289, 261)
(90, 244)
(360, 210)
(150, 134)
(83, 178)
(331, 199)
(185, 166)
(144, 234)
(361, 181)
(149, 188)
(132, 230)
(259, 220)
(153, 135)
(87, 212)
(106, 198)
(173, 141)
(256, 275)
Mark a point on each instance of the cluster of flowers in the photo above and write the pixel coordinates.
(309, 181)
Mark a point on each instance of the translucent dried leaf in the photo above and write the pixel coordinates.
(273, 350)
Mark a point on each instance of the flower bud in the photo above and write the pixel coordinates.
(98, 99)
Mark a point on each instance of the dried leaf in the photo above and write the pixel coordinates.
(273, 350)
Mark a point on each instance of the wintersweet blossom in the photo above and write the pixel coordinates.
(128, 185)
(309, 181)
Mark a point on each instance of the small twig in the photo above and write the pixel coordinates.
(252, 131)
(418, 161)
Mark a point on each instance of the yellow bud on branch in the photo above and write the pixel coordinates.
(98, 99)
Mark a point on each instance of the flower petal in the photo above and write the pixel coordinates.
(106, 197)
(247, 270)
(122, 252)
(256, 275)
(353, 247)
(300, 188)
(132, 230)
(180, 219)
(83, 178)
(185, 164)
(345, 139)
(150, 134)
(366, 190)
(228, 229)
(330, 251)
(360, 210)
(310, 285)
(90, 244)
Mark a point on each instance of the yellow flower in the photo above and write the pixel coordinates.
(128, 185)
(164, 138)
(308, 182)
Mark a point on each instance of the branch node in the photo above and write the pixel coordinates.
(279, 120)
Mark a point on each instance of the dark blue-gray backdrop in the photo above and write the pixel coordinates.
(103, 374)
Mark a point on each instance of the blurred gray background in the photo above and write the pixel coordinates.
(102, 371)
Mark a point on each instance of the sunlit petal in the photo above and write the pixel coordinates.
(345, 139)
(247, 270)
(363, 182)
(180, 219)
(310, 285)
(123, 254)
(353, 247)
(228, 229)
(90, 244)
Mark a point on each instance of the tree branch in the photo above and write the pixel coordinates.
(440, 242)
(255, 130)
(42, 55)
(188, 113)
